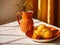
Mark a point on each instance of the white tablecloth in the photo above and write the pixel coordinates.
(11, 34)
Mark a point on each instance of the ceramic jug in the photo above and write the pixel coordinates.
(26, 22)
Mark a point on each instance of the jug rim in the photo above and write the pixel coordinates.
(27, 11)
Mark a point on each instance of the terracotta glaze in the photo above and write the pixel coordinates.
(26, 22)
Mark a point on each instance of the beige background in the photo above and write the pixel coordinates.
(7, 11)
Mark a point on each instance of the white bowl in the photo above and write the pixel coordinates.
(45, 40)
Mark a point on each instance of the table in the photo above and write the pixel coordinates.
(10, 34)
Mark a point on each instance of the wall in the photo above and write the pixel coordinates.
(7, 11)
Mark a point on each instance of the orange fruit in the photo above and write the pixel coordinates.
(49, 27)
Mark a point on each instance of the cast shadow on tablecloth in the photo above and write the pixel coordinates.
(12, 41)
(56, 42)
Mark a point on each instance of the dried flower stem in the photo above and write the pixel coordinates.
(21, 5)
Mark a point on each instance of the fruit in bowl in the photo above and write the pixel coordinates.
(36, 34)
(43, 33)
(47, 34)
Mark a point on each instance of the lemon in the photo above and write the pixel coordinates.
(47, 34)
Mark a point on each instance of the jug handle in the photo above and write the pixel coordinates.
(17, 17)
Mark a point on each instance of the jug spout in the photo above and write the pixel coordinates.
(30, 12)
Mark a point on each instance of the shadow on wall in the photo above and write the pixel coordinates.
(7, 11)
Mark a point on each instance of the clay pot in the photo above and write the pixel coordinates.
(26, 22)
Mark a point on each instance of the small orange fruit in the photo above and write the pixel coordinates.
(53, 29)
(49, 27)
